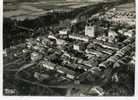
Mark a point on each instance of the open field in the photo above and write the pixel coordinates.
(36, 8)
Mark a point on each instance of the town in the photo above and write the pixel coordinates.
(79, 58)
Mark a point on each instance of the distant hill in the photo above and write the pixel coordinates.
(68, 0)
(84, 0)
(99, 0)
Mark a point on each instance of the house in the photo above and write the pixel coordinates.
(5, 53)
(83, 67)
(112, 36)
(102, 38)
(105, 64)
(76, 47)
(36, 56)
(129, 33)
(60, 42)
(81, 38)
(95, 91)
(63, 32)
(128, 40)
(40, 76)
(52, 37)
(79, 45)
(93, 52)
(107, 45)
(67, 72)
(90, 31)
(48, 65)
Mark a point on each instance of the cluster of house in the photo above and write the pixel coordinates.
(83, 52)
(120, 14)
(97, 47)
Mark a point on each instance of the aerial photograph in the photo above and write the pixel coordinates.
(68, 48)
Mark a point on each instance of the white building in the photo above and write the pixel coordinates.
(79, 38)
(35, 56)
(76, 47)
(5, 53)
(102, 38)
(60, 42)
(112, 36)
(129, 33)
(52, 37)
(63, 32)
(74, 21)
(90, 31)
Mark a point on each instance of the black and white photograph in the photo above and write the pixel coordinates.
(71, 48)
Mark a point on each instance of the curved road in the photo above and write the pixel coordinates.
(78, 86)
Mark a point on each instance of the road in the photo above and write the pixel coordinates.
(17, 76)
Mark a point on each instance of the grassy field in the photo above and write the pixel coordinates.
(41, 4)
(34, 7)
